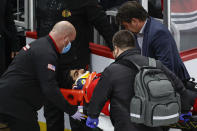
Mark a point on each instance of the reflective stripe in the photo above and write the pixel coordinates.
(27, 46)
(135, 115)
(165, 117)
(3, 126)
(157, 117)
(24, 48)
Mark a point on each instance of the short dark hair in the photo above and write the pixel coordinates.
(65, 80)
(129, 10)
(123, 39)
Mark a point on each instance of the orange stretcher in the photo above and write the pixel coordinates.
(77, 97)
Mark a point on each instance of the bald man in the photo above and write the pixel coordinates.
(30, 79)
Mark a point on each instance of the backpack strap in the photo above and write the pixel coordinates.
(152, 62)
(128, 63)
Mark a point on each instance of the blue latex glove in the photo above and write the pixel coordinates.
(78, 115)
(92, 123)
(185, 117)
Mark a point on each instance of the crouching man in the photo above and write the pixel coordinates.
(117, 82)
(31, 79)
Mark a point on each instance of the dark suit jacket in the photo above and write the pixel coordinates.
(158, 43)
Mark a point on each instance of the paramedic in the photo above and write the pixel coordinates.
(116, 85)
(30, 80)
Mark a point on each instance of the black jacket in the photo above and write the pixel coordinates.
(48, 13)
(84, 19)
(84, 15)
(116, 84)
(30, 79)
(76, 4)
(107, 4)
(7, 25)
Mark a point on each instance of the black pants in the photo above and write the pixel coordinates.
(2, 55)
(5, 54)
(54, 117)
(19, 125)
(55, 120)
(80, 125)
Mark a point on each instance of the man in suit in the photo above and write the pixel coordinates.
(8, 40)
(152, 37)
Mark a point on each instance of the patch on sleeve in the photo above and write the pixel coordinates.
(27, 47)
(51, 67)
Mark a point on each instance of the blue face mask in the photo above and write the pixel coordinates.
(66, 49)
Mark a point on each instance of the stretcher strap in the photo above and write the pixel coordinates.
(85, 87)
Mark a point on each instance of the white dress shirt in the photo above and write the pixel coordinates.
(140, 36)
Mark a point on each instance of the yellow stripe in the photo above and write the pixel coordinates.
(43, 126)
(67, 130)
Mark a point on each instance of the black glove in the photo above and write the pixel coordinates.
(191, 84)
(187, 100)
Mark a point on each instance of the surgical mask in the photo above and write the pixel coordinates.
(66, 49)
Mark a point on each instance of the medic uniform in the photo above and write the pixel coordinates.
(29, 80)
